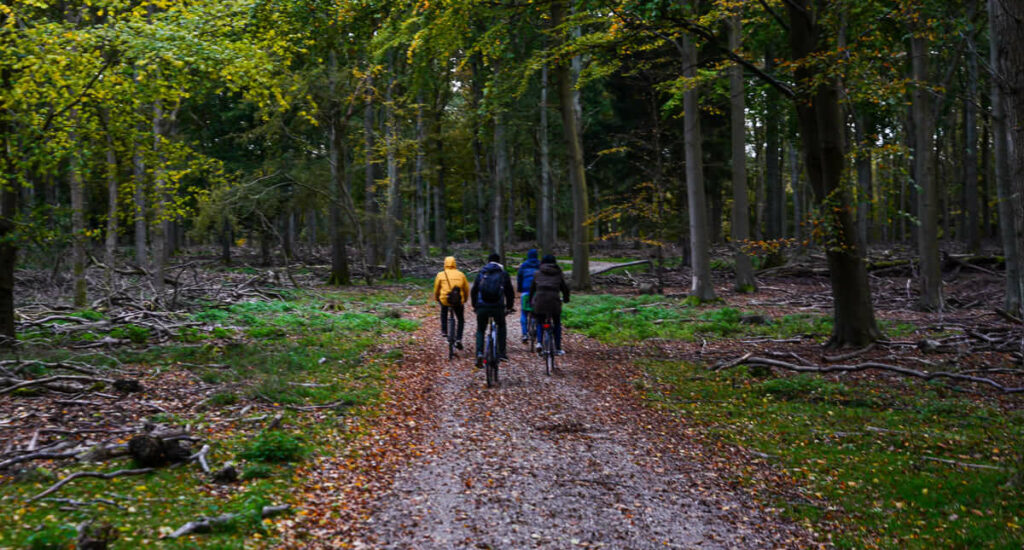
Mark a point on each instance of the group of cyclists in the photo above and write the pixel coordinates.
(541, 286)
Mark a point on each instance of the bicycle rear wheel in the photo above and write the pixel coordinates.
(451, 335)
(549, 351)
(491, 358)
(531, 332)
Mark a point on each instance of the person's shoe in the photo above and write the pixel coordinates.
(561, 352)
(503, 358)
(537, 347)
(524, 339)
(458, 344)
(444, 335)
(479, 360)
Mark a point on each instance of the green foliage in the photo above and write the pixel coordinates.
(223, 399)
(52, 537)
(274, 446)
(134, 333)
(256, 471)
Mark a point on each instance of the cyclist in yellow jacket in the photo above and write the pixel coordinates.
(451, 290)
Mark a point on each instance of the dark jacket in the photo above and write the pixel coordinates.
(547, 283)
(507, 289)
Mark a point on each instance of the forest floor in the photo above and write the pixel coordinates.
(651, 433)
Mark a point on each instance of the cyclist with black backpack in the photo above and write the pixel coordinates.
(451, 290)
(492, 297)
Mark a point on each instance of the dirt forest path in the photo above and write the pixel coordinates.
(552, 462)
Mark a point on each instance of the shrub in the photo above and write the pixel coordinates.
(222, 399)
(274, 446)
(256, 471)
(134, 333)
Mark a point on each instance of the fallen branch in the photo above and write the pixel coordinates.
(872, 366)
(964, 464)
(201, 457)
(617, 266)
(848, 356)
(53, 488)
(56, 378)
(205, 524)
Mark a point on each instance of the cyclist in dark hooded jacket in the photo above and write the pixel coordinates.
(524, 278)
(548, 283)
(494, 308)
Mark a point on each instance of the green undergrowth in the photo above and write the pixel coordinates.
(326, 348)
(621, 320)
(868, 454)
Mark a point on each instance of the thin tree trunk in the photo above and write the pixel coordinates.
(798, 192)
(928, 198)
(702, 287)
(501, 170)
(971, 233)
(774, 192)
(336, 159)
(440, 191)
(225, 239)
(745, 281)
(420, 181)
(158, 229)
(392, 253)
(370, 189)
(110, 243)
(139, 201)
(1006, 20)
(862, 128)
(546, 222)
(577, 174)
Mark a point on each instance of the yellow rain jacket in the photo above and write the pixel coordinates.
(448, 279)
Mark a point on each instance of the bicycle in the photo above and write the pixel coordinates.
(548, 350)
(450, 323)
(491, 354)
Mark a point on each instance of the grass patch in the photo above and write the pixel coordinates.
(274, 446)
(888, 493)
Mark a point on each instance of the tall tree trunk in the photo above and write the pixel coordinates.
(501, 170)
(928, 197)
(1006, 20)
(774, 191)
(971, 233)
(392, 252)
(110, 244)
(440, 191)
(577, 173)
(139, 202)
(336, 160)
(159, 224)
(546, 221)
(420, 181)
(702, 287)
(9, 190)
(821, 132)
(370, 187)
(745, 281)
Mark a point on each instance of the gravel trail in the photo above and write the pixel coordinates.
(545, 462)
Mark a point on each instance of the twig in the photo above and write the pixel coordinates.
(201, 457)
(99, 475)
(56, 378)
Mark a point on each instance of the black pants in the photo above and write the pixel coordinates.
(458, 316)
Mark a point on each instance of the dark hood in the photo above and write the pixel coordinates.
(550, 269)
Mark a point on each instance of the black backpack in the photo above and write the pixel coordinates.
(454, 294)
(492, 284)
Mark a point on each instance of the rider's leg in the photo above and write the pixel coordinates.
(523, 316)
(460, 318)
(482, 314)
(499, 319)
